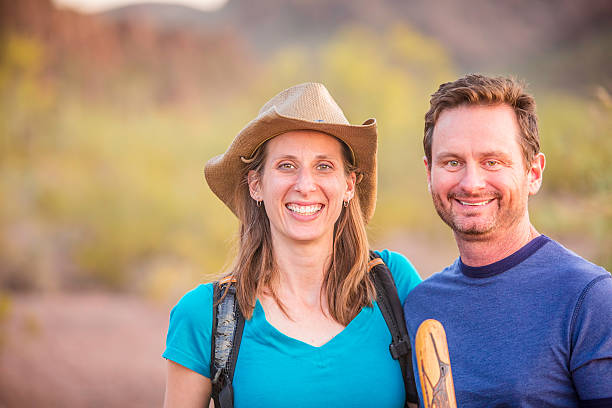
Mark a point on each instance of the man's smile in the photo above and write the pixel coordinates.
(475, 203)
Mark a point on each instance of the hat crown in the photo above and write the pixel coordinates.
(309, 101)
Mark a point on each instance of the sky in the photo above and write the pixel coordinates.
(100, 5)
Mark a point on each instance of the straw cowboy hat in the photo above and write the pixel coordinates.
(306, 106)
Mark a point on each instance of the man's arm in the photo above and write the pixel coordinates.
(591, 360)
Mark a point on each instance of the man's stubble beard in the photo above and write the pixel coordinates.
(479, 230)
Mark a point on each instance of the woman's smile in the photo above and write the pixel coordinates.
(304, 209)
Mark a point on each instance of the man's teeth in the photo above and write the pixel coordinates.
(304, 209)
(480, 203)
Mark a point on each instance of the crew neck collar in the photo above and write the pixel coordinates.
(506, 263)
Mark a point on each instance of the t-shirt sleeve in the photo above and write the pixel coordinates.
(188, 341)
(404, 274)
(591, 359)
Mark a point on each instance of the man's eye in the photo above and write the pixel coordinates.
(286, 166)
(453, 163)
(324, 166)
(491, 163)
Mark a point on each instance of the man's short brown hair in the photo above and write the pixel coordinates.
(482, 90)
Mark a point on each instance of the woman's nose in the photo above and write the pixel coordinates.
(305, 181)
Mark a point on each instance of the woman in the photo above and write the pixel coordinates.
(302, 182)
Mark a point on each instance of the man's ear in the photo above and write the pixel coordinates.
(428, 170)
(535, 173)
(254, 182)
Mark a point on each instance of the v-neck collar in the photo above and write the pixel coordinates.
(270, 333)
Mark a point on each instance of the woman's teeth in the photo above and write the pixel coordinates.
(304, 209)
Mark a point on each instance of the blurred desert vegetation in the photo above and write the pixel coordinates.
(108, 119)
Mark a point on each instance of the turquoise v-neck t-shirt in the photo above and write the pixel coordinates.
(353, 369)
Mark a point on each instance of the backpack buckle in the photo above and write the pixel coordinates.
(218, 378)
(399, 348)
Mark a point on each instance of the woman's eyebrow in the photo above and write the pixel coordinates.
(317, 157)
(326, 157)
(286, 156)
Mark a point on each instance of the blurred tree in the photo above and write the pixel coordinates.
(576, 138)
(104, 195)
(26, 99)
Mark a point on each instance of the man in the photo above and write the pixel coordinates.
(528, 322)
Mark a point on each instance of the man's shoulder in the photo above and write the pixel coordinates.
(447, 276)
(565, 263)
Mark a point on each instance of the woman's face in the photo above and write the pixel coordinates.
(303, 186)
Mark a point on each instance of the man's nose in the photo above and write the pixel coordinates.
(472, 179)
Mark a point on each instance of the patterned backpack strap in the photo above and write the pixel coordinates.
(228, 325)
(393, 313)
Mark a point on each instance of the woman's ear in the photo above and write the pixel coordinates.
(351, 181)
(254, 181)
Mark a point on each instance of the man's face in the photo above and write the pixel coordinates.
(478, 180)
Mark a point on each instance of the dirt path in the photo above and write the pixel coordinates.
(83, 350)
(103, 350)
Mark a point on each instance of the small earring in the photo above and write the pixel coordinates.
(346, 203)
(258, 203)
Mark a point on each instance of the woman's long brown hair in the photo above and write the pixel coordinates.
(347, 286)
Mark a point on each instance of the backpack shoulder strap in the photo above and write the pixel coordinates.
(392, 311)
(228, 325)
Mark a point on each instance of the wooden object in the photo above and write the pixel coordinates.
(433, 361)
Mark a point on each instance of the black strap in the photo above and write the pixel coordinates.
(228, 325)
(391, 309)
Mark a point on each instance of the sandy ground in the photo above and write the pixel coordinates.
(104, 350)
(82, 350)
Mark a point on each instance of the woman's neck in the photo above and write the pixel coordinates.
(302, 269)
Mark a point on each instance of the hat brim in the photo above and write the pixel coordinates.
(223, 172)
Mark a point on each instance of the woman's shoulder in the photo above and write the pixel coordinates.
(195, 305)
(190, 329)
(197, 297)
(404, 273)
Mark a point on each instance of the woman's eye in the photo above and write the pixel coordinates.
(286, 166)
(324, 166)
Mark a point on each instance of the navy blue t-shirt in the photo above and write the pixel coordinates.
(531, 330)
